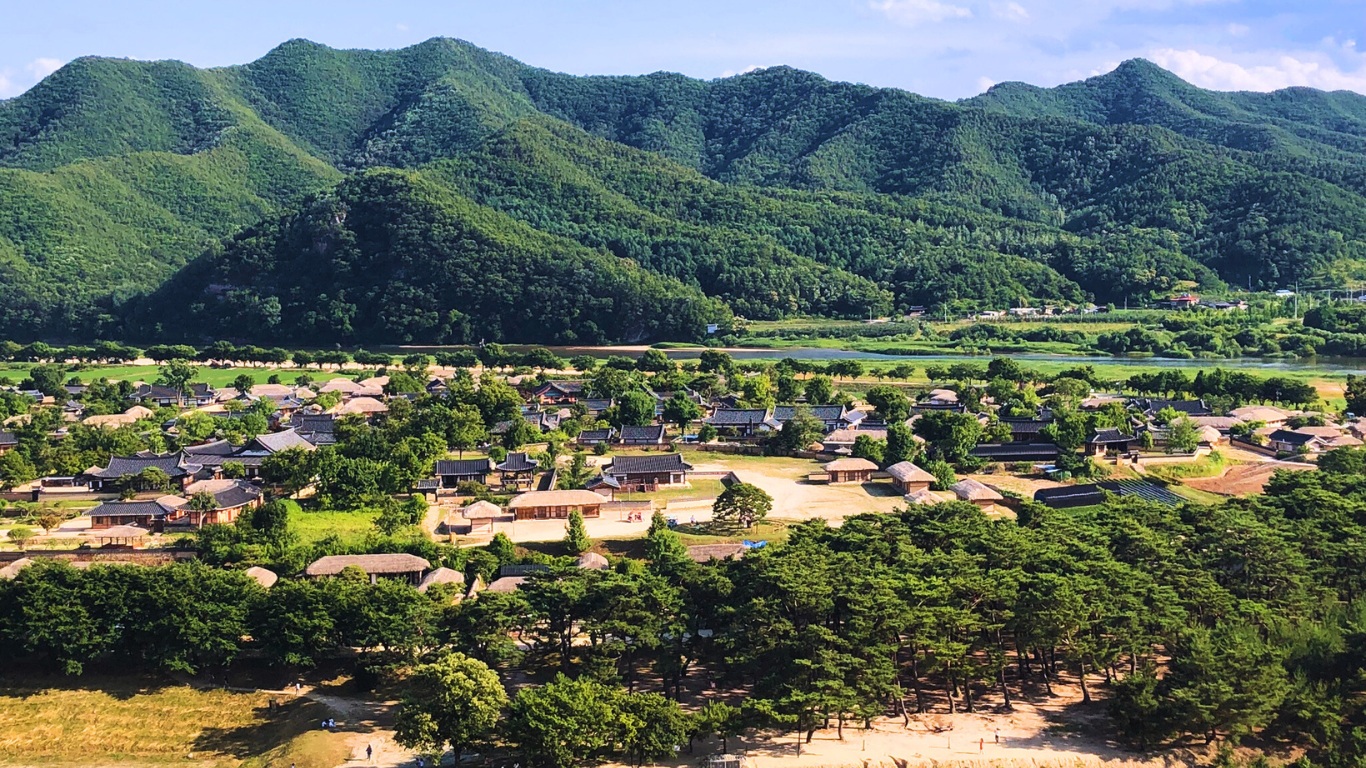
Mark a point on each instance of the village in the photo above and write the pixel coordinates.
(681, 451)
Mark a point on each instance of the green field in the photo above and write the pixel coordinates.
(351, 527)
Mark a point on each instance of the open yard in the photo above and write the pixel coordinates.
(123, 722)
(350, 527)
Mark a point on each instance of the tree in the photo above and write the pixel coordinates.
(706, 433)
(650, 727)
(1356, 394)
(715, 361)
(177, 375)
(563, 722)
(291, 469)
(47, 379)
(950, 436)
(272, 521)
(870, 448)
(820, 390)
(890, 402)
(901, 444)
(797, 433)
(663, 547)
(16, 469)
(466, 429)
(681, 411)
(576, 540)
(654, 361)
(1183, 436)
(454, 700)
(243, 383)
(720, 718)
(20, 535)
(636, 409)
(49, 519)
(740, 506)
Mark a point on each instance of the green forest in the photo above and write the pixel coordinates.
(155, 201)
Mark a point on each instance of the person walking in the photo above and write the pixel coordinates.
(369, 752)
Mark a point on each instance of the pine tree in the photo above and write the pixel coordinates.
(576, 540)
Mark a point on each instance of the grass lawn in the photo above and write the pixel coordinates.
(1206, 466)
(702, 488)
(350, 527)
(1195, 495)
(127, 721)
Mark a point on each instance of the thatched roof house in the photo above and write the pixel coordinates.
(393, 565)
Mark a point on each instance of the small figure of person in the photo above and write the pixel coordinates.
(369, 752)
(998, 735)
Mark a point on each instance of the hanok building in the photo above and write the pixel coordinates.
(1109, 441)
(453, 472)
(595, 436)
(259, 448)
(152, 515)
(850, 470)
(832, 416)
(518, 470)
(409, 568)
(558, 392)
(740, 422)
(908, 478)
(126, 471)
(556, 505)
(8, 442)
(648, 473)
(1289, 441)
(973, 492)
(317, 428)
(231, 499)
(648, 435)
(1151, 406)
(1026, 430)
(1013, 453)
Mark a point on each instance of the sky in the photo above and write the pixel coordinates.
(943, 48)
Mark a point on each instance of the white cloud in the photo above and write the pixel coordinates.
(912, 12)
(401, 27)
(41, 68)
(1287, 70)
(7, 85)
(1010, 11)
(745, 71)
(984, 84)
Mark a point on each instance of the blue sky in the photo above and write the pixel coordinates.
(944, 48)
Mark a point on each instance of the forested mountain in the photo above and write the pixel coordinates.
(774, 192)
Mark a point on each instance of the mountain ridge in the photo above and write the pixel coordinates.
(776, 191)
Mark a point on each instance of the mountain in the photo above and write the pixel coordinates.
(772, 193)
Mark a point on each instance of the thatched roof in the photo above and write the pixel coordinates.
(482, 510)
(375, 565)
(850, 465)
(906, 472)
(971, 490)
(506, 584)
(921, 497)
(262, 576)
(441, 576)
(571, 498)
(119, 532)
(592, 561)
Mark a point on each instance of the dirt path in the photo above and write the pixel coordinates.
(366, 724)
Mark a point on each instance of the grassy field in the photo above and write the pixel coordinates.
(350, 527)
(121, 721)
(1205, 466)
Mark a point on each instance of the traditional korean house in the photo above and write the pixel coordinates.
(409, 568)
(1106, 441)
(125, 470)
(556, 505)
(850, 470)
(595, 436)
(648, 435)
(518, 470)
(558, 392)
(8, 442)
(231, 498)
(453, 472)
(741, 422)
(648, 473)
(908, 478)
(973, 492)
(151, 515)
(832, 416)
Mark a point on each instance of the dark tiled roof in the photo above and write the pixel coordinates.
(1293, 438)
(563, 387)
(216, 448)
(1107, 436)
(650, 433)
(602, 481)
(1017, 452)
(201, 390)
(462, 467)
(735, 417)
(518, 462)
(600, 435)
(1188, 407)
(274, 442)
(238, 494)
(596, 404)
(156, 392)
(1070, 496)
(660, 462)
(172, 464)
(828, 413)
(130, 509)
(1025, 426)
(8, 438)
(427, 484)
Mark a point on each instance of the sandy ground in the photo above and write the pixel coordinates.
(1244, 479)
